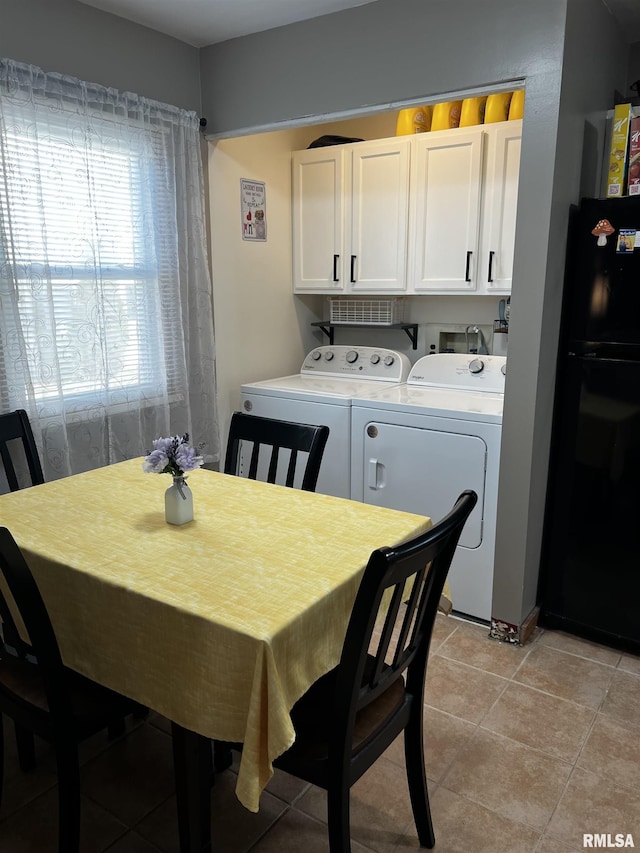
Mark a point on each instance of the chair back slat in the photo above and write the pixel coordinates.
(9, 469)
(255, 458)
(273, 464)
(300, 441)
(410, 622)
(386, 636)
(291, 470)
(15, 426)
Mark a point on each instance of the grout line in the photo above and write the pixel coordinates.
(542, 692)
(487, 808)
(582, 657)
(555, 808)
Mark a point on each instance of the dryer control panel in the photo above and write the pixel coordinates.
(461, 371)
(357, 362)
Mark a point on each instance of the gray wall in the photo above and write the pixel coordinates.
(391, 50)
(69, 37)
(399, 50)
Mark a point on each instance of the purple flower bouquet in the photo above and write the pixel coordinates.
(173, 456)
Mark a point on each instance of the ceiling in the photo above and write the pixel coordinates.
(203, 22)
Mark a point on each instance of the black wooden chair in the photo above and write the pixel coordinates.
(348, 718)
(42, 695)
(273, 436)
(15, 426)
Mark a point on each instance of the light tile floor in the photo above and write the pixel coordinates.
(527, 749)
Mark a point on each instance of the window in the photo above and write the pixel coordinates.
(82, 259)
(106, 325)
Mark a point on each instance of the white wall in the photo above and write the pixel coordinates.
(258, 327)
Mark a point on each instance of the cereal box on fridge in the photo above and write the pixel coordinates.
(618, 155)
(633, 170)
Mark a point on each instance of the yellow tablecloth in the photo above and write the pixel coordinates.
(220, 624)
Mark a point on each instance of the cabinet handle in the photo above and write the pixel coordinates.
(336, 258)
(467, 277)
(490, 273)
(353, 268)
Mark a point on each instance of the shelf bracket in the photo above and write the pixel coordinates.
(329, 329)
(412, 332)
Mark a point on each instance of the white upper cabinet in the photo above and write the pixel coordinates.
(350, 214)
(445, 211)
(430, 213)
(377, 216)
(499, 206)
(463, 215)
(318, 219)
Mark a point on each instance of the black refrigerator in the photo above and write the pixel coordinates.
(590, 571)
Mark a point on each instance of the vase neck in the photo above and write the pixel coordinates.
(180, 482)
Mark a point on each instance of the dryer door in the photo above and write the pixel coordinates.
(424, 471)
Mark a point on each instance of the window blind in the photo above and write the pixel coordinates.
(86, 212)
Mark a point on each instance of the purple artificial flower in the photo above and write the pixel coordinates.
(172, 456)
(187, 459)
(155, 462)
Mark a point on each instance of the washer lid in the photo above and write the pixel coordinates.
(436, 402)
(321, 389)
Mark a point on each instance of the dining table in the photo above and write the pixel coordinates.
(220, 624)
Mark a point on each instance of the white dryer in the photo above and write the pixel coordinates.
(416, 446)
(321, 393)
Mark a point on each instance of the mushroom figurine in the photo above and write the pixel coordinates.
(603, 230)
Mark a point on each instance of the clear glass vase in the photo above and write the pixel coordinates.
(178, 502)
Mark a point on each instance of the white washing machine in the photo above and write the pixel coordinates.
(416, 446)
(321, 393)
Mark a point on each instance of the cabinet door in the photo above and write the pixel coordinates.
(499, 206)
(318, 219)
(377, 217)
(445, 211)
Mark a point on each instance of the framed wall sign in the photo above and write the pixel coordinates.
(253, 209)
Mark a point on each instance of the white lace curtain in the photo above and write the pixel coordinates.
(106, 327)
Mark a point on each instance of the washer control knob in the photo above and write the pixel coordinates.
(375, 358)
(503, 370)
(316, 355)
(328, 355)
(352, 356)
(476, 366)
(388, 360)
